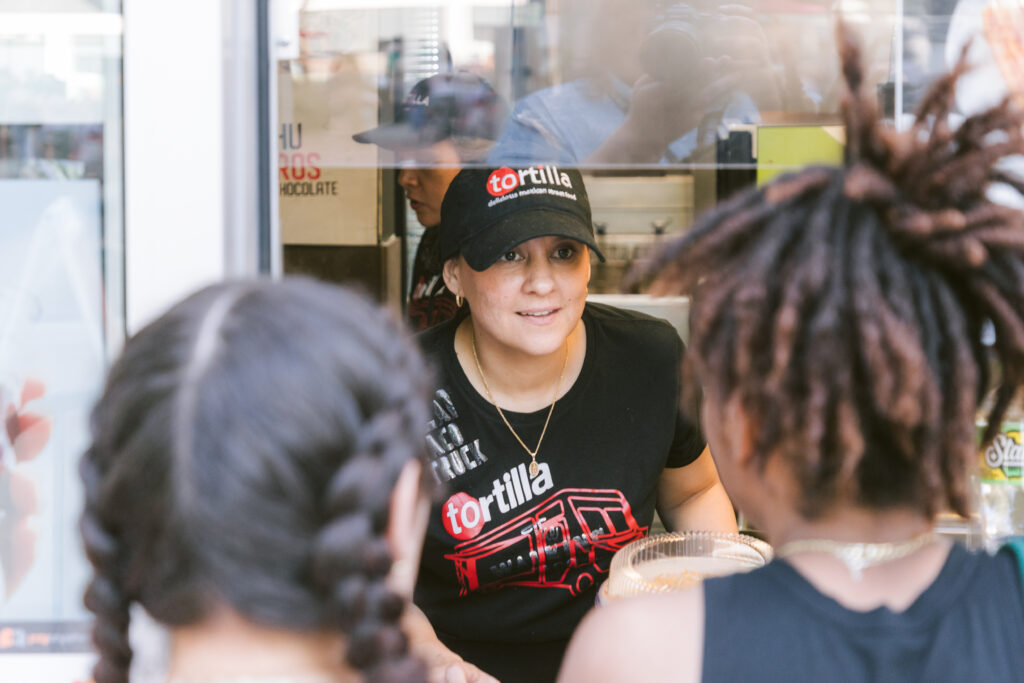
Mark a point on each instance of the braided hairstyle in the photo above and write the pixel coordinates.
(843, 308)
(243, 453)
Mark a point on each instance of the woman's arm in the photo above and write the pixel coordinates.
(443, 665)
(692, 497)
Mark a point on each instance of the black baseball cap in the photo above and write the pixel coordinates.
(486, 212)
(442, 106)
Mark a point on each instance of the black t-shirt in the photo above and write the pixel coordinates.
(772, 625)
(511, 564)
(430, 301)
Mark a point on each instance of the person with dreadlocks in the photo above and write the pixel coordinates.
(836, 328)
(254, 482)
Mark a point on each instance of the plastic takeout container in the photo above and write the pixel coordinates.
(674, 561)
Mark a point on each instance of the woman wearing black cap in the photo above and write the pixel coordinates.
(555, 427)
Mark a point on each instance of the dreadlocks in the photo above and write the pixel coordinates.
(843, 307)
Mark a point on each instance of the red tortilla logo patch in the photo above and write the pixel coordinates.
(502, 181)
(462, 516)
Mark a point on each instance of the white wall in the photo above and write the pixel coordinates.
(190, 149)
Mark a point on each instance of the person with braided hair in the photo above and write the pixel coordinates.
(836, 328)
(254, 482)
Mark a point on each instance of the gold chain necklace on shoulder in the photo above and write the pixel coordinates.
(858, 556)
(534, 467)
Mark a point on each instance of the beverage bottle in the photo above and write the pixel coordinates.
(999, 482)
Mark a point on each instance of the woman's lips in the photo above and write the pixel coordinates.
(538, 315)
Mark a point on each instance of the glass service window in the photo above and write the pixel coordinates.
(667, 105)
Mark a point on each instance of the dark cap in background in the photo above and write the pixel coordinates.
(488, 212)
(459, 104)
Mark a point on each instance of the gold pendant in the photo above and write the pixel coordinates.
(534, 469)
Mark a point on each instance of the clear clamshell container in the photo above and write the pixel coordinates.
(673, 561)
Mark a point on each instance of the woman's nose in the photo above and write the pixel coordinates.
(407, 178)
(539, 278)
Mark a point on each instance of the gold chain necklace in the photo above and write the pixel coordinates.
(534, 467)
(858, 556)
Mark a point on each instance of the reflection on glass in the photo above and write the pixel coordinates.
(591, 82)
(661, 80)
(61, 282)
(54, 152)
(661, 101)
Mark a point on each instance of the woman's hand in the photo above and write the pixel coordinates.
(459, 672)
(443, 665)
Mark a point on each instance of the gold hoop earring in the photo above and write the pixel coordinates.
(458, 301)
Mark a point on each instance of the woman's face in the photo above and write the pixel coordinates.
(425, 176)
(531, 298)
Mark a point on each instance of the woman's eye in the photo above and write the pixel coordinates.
(565, 253)
(509, 256)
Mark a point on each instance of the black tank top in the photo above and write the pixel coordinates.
(772, 625)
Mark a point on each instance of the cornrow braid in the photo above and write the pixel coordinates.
(351, 555)
(351, 558)
(844, 307)
(243, 454)
(103, 595)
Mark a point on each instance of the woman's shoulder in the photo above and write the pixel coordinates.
(638, 332)
(630, 322)
(434, 340)
(650, 638)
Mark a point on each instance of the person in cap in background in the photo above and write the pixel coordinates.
(836, 327)
(556, 428)
(445, 122)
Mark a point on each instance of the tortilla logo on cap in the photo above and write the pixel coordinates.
(502, 181)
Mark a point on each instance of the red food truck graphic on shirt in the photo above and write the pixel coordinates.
(566, 541)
